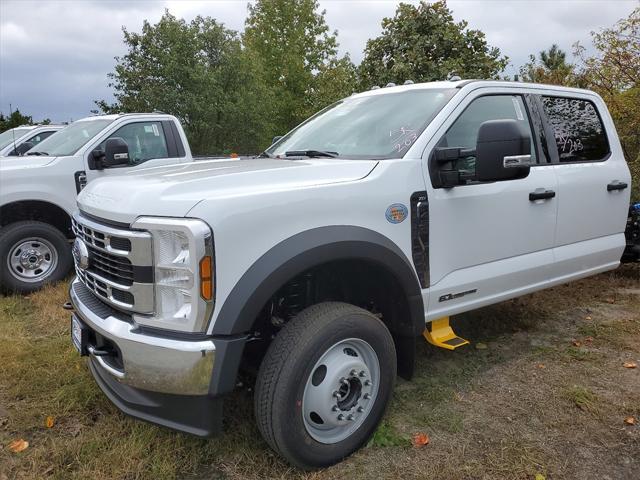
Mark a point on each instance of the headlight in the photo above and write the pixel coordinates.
(183, 273)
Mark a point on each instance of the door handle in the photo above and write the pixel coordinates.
(533, 196)
(616, 185)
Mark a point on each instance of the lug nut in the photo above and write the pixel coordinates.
(360, 409)
(336, 394)
(366, 396)
(335, 408)
(351, 418)
(353, 372)
(362, 373)
(341, 417)
(367, 383)
(344, 381)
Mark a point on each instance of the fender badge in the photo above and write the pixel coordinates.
(396, 213)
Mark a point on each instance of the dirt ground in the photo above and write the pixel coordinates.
(542, 392)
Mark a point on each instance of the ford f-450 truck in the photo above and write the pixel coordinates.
(320, 263)
(38, 191)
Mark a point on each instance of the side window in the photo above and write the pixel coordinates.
(577, 128)
(464, 131)
(146, 141)
(36, 139)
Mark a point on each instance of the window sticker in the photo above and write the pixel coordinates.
(155, 130)
(148, 129)
(516, 105)
(402, 138)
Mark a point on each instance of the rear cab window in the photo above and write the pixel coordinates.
(577, 129)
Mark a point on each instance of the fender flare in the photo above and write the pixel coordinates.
(306, 250)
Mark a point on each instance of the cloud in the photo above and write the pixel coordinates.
(55, 55)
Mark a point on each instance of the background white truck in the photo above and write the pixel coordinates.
(38, 191)
(319, 265)
(17, 141)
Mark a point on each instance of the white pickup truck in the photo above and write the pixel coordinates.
(17, 141)
(321, 264)
(38, 190)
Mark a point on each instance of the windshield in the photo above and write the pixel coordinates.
(7, 137)
(376, 126)
(70, 139)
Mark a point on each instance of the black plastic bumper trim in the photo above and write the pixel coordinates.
(199, 415)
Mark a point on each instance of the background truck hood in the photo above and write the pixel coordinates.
(174, 190)
(27, 161)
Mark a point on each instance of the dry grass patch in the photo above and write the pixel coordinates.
(534, 401)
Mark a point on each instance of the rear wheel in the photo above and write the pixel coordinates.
(324, 384)
(31, 254)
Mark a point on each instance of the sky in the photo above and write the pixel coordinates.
(55, 54)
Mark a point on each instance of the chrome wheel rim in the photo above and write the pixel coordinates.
(32, 260)
(341, 391)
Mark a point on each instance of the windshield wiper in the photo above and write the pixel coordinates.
(37, 153)
(265, 155)
(310, 153)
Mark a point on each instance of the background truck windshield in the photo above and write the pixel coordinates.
(70, 139)
(7, 137)
(376, 126)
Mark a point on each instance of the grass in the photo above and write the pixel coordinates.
(582, 398)
(547, 396)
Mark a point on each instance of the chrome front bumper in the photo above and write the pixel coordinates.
(149, 362)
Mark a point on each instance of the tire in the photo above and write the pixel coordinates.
(50, 261)
(304, 370)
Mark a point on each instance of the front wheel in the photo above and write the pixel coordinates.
(32, 253)
(324, 384)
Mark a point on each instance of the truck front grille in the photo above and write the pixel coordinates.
(112, 267)
(120, 270)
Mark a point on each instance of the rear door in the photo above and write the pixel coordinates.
(593, 185)
(488, 241)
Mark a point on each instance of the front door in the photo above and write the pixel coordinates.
(488, 241)
(151, 143)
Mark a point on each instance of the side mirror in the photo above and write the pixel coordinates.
(22, 148)
(503, 151)
(116, 152)
(95, 159)
(276, 138)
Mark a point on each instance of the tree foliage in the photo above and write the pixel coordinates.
(199, 72)
(15, 119)
(550, 66)
(423, 43)
(297, 55)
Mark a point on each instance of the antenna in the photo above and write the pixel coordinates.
(13, 131)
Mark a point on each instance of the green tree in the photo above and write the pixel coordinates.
(198, 72)
(550, 67)
(423, 43)
(614, 72)
(297, 56)
(15, 119)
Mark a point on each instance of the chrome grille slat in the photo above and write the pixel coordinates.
(111, 274)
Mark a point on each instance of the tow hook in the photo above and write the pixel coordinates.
(67, 306)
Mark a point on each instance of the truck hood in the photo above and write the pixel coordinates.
(27, 161)
(174, 190)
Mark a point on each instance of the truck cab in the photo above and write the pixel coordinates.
(17, 141)
(38, 190)
(320, 264)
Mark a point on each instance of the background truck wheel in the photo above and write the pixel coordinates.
(32, 254)
(324, 384)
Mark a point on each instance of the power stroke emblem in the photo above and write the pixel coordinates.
(396, 213)
(80, 254)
